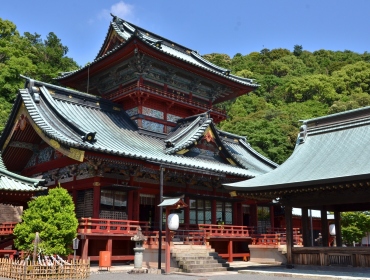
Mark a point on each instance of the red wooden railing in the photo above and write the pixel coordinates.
(212, 230)
(275, 239)
(176, 97)
(7, 228)
(106, 226)
(195, 232)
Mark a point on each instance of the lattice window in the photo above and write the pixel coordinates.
(147, 199)
(224, 212)
(263, 224)
(228, 213)
(200, 211)
(113, 215)
(113, 200)
(84, 206)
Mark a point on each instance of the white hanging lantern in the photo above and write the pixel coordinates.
(332, 229)
(173, 222)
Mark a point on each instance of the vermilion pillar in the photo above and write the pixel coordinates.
(85, 249)
(96, 199)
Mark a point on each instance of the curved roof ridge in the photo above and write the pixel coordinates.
(205, 115)
(248, 147)
(128, 31)
(199, 57)
(325, 158)
(190, 137)
(69, 90)
(177, 136)
(32, 183)
(24, 179)
(41, 122)
(85, 135)
(231, 134)
(341, 117)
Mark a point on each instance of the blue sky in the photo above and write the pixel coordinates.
(208, 26)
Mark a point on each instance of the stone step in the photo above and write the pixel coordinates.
(205, 266)
(198, 258)
(205, 262)
(204, 270)
(184, 257)
(194, 258)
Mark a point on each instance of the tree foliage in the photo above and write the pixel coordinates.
(294, 86)
(54, 218)
(28, 55)
(355, 225)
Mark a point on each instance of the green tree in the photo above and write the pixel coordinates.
(298, 50)
(30, 56)
(54, 218)
(222, 60)
(355, 225)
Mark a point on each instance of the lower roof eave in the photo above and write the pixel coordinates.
(291, 185)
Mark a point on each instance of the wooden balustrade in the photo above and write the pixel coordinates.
(190, 237)
(212, 230)
(177, 97)
(7, 228)
(107, 226)
(275, 239)
(153, 239)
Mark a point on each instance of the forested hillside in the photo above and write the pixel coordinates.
(294, 86)
(28, 55)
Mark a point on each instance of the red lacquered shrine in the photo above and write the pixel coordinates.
(143, 112)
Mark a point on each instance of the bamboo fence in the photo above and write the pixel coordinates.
(42, 269)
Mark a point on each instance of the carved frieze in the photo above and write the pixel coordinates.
(85, 170)
(140, 64)
(45, 155)
(119, 171)
(66, 174)
(51, 177)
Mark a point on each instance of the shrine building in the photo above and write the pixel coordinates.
(143, 114)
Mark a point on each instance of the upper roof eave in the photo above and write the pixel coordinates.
(142, 35)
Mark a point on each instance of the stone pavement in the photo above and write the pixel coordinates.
(239, 267)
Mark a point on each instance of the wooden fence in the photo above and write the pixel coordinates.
(25, 270)
(332, 256)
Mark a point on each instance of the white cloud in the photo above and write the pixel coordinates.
(120, 9)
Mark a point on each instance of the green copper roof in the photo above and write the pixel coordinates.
(190, 130)
(10, 181)
(66, 116)
(329, 149)
(128, 32)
